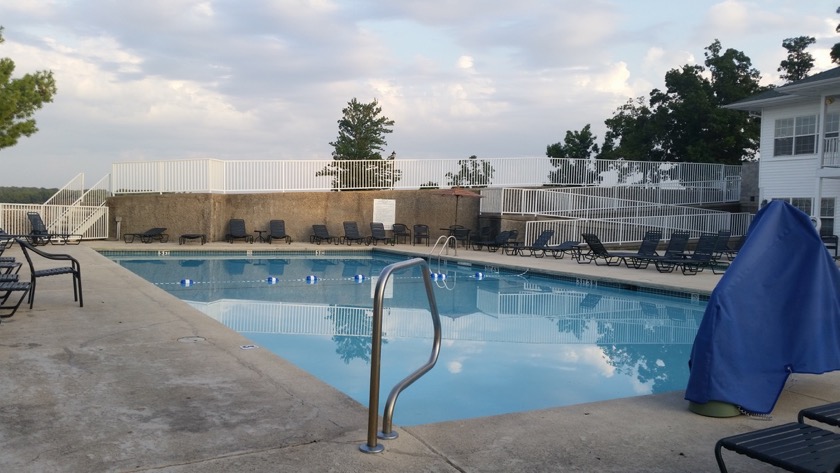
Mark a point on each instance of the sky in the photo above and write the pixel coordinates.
(267, 79)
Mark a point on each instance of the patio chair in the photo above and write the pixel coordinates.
(794, 446)
(378, 233)
(7, 289)
(421, 233)
(150, 235)
(568, 246)
(537, 248)
(236, 231)
(492, 244)
(40, 235)
(461, 234)
(674, 249)
(826, 413)
(74, 269)
(647, 248)
(401, 233)
(692, 263)
(596, 251)
(277, 231)
(352, 234)
(321, 234)
(722, 246)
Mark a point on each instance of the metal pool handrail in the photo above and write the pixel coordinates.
(372, 446)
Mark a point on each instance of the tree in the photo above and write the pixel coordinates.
(835, 50)
(361, 137)
(19, 99)
(473, 172)
(686, 121)
(577, 145)
(798, 63)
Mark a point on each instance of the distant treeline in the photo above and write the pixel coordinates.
(25, 195)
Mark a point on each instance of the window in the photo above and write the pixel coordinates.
(802, 203)
(794, 136)
(827, 216)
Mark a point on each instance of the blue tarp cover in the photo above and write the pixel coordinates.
(775, 311)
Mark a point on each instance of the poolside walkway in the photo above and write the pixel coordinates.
(140, 381)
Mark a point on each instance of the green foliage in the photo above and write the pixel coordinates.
(19, 99)
(361, 137)
(25, 195)
(686, 121)
(835, 50)
(576, 145)
(473, 172)
(798, 63)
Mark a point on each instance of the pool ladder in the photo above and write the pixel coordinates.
(387, 433)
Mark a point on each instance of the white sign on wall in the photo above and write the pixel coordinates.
(384, 211)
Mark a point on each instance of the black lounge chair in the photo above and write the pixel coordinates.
(150, 235)
(538, 247)
(722, 246)
(321, 234)
(378, 233)
(40, 235)
(74, 269)
(795, 446)
(596, 251)
(352, 234)
(568, 246)
(647, 249)
(236, 231)
(7, 289)
(277, 231)
(401, 233)
(675, 249)
(492, 244)
(692, 263)
(421, 233)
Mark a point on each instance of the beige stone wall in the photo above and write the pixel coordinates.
(210, 213)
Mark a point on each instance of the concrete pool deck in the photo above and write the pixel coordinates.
(137, 380)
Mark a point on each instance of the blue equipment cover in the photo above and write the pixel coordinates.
(775, 311)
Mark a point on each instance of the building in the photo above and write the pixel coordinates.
(799, 145)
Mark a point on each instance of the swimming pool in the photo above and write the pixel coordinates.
(511, 342)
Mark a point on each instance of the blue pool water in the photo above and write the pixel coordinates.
(511, 342)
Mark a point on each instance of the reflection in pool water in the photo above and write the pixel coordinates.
(511, 342)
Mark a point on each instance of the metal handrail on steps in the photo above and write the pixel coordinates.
(372, 446)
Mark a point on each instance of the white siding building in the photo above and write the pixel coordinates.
(799, 154)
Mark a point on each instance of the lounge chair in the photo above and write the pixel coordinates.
(321, 234)
(401, 232)
(794, 446)
(492, 244)
(7, 289)
(692, 263)
(378, 233)
(568, 246)
(40, 235)
(277, 231)
(675, 249)
(236, 231)
(538, 247)
(647, 248)
(512, 245)
(74, 269)
(421, 233)
(150, 235)
(722, 246)
(596, 251)
(352, 234)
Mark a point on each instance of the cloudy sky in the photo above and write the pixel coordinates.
(267, 79)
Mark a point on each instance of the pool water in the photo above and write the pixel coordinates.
(511, 342)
